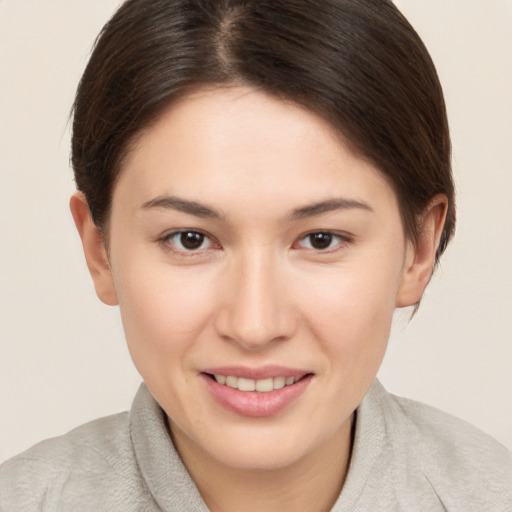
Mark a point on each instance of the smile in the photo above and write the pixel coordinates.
(256, 392)
(261, 385)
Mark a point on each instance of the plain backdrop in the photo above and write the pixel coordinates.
(63, 359)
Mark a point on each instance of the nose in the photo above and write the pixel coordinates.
(254, 310)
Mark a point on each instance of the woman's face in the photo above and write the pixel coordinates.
(247, 241)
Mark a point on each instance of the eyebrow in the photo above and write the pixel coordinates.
(201, 210)
(182, 205)
(329, 205)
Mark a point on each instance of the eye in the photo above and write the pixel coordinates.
(322, 240)
(188, 241)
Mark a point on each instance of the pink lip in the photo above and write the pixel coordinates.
(252, 403)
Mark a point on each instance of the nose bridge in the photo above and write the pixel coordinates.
(255, 311)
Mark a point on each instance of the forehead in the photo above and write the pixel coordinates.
(237, 144)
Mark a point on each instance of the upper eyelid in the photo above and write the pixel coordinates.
(169, 234)
(341, 234)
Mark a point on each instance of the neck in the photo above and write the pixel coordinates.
(310, 484)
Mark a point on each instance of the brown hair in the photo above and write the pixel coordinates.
(357, 63)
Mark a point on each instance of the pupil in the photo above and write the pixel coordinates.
(321, 240)
(191, 240)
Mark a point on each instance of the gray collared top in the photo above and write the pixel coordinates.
(406, 456)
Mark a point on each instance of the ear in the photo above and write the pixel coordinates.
(94, 249)
(420, 257)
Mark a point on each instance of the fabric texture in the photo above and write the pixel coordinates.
(406, 457)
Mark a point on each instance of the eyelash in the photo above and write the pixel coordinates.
(167, 242)
(342, 239)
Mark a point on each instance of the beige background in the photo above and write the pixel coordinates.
(62, 354)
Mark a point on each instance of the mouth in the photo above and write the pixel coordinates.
(256, 392)
(260, 385)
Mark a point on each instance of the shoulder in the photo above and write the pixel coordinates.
(96, 442)
(92, 456)
(465, 466)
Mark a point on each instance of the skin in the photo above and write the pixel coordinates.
(257, 291)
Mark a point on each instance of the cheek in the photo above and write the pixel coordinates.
(350, 312)
(163, 311)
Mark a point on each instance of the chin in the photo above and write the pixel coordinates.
(259, 457)
(267, 447)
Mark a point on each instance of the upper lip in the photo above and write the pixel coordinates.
(257, 373)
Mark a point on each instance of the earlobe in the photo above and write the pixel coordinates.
(420, 258)
(94, 249)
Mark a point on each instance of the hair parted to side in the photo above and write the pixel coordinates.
(357, 63)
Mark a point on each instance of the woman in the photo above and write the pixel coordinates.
(260, 185)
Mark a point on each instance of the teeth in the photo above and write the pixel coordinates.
(279, 382)
(232, 382)
(221, 379)
(246, 384)
(262, 385)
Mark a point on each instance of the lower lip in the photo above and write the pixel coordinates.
(254, 403)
